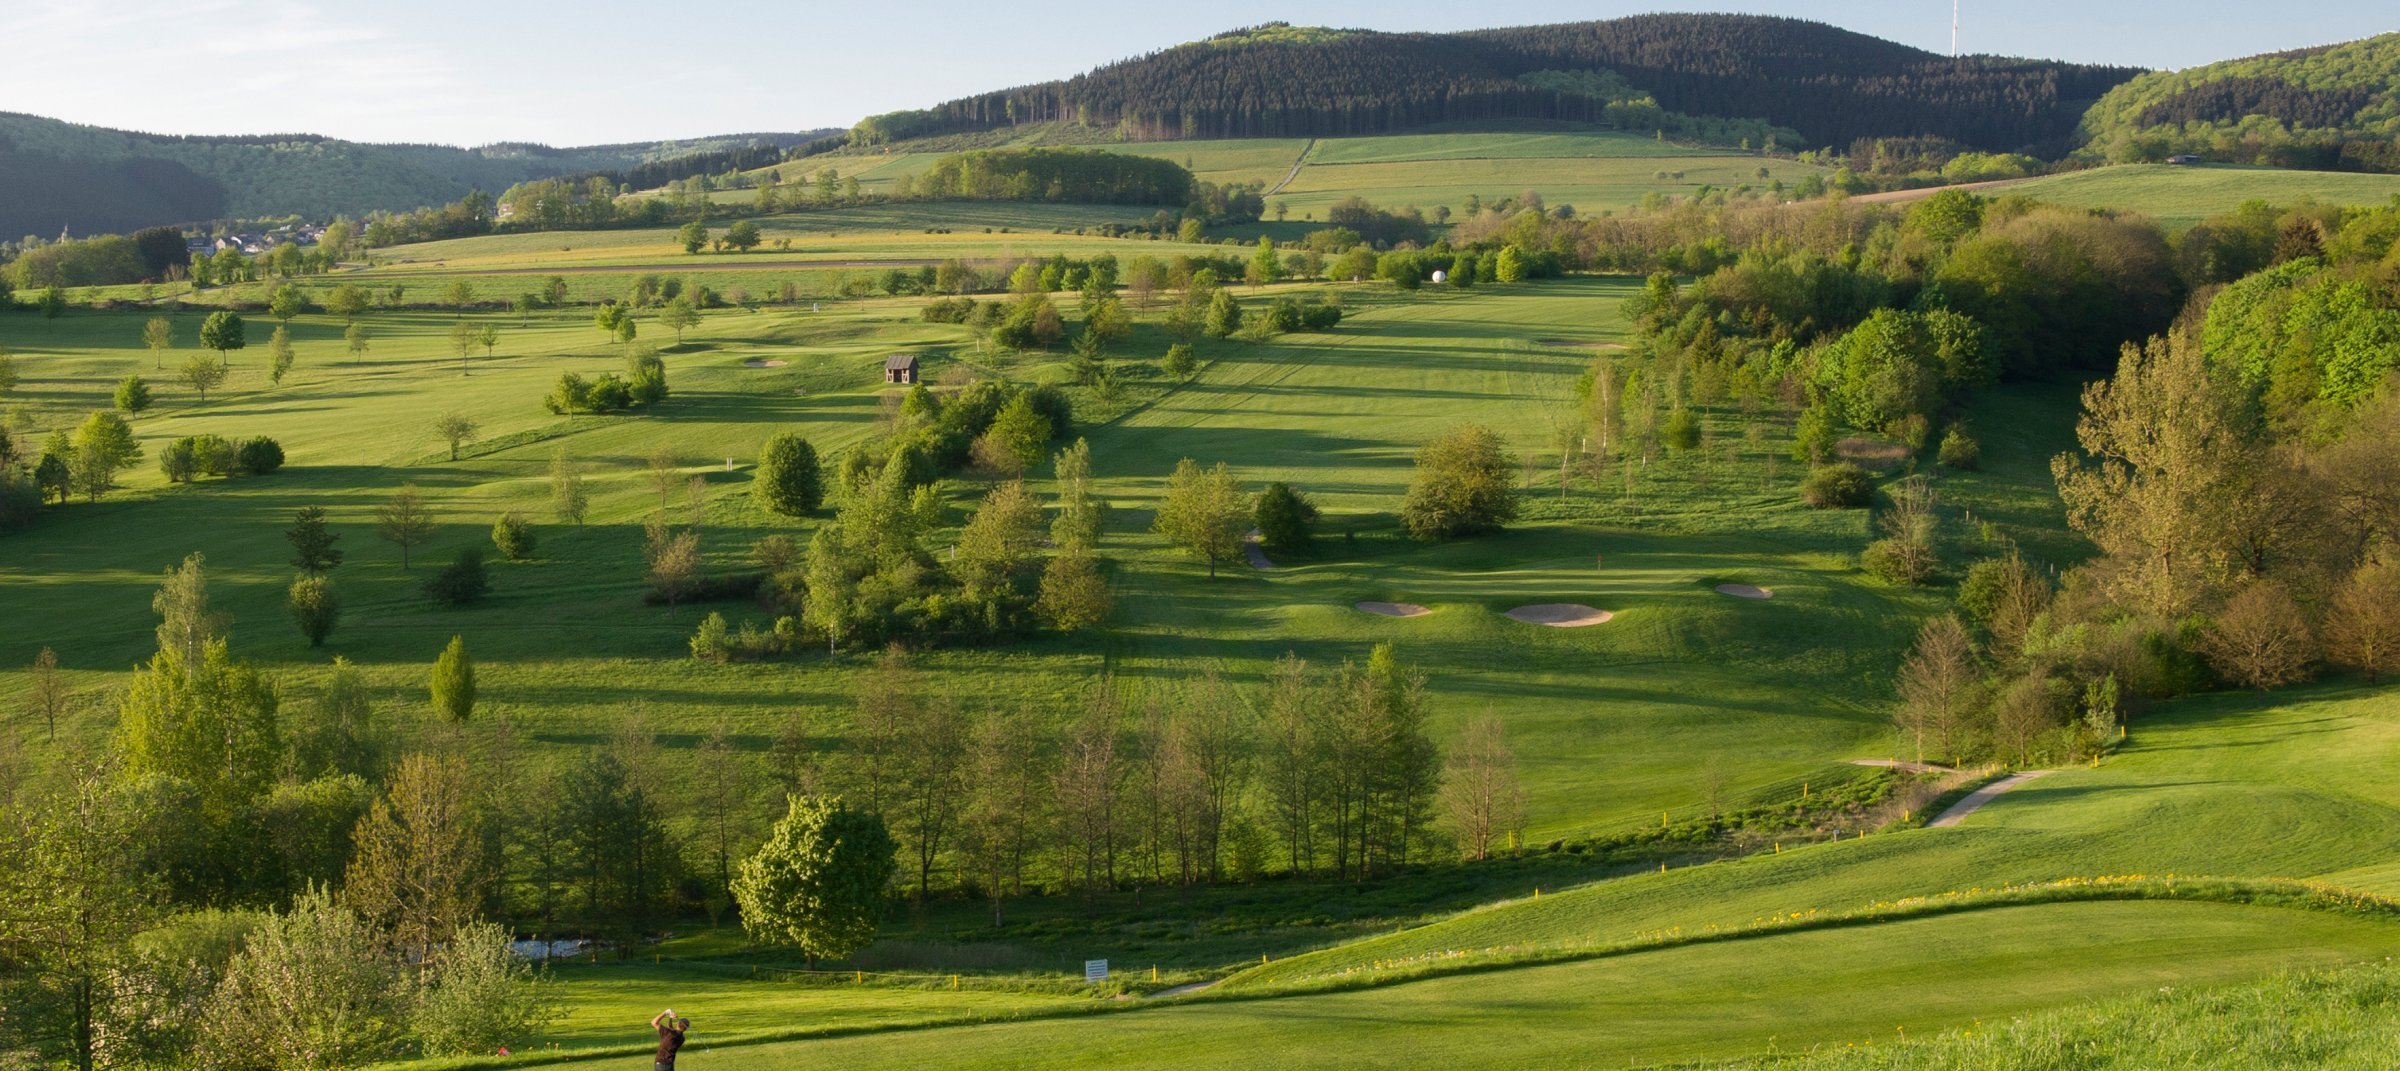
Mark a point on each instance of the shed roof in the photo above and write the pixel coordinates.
(899, 360)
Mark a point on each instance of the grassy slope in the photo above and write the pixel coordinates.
(1615, 723)
(1788, 992)
(2184, 797)
(2181, 196)
(1594, 171)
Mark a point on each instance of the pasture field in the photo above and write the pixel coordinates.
(1595, 171)
(2179, 196)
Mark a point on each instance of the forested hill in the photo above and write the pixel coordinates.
(1828, 84)
(92, 180)
(2331, 107)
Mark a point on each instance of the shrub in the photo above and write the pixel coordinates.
(949, 311)
(213, 455)
(178, 461)
(1179, 361)
(1282, 517)
(461, 582)
(259, 456)
(1959, 450)
(713, 642)
(513, 535)
(1900, 561)
(1682, 430)
(2261, 639)
(314, 608)
(1841, 485)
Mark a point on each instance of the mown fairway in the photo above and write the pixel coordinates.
(1788, 993)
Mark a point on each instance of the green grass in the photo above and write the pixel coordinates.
(1788, 992)
(1614, 723)
(2179, 196)
(2177, 800)
(2333, 1020)
(1593, 170)
(609, 1002)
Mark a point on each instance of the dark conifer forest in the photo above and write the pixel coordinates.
(1829, 84)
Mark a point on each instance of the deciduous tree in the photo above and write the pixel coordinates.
(405, 520)
(1481, 796)
(789, 480)
(456, 428)
(818, 882)
(1462, 486)
(2260, 638)
(1204, 512)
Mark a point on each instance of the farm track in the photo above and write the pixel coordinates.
(619, 269)
(1297, 163)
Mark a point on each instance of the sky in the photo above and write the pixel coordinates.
(468, 73)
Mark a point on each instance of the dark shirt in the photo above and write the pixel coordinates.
(669, 1040)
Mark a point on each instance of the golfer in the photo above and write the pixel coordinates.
(671, 1028)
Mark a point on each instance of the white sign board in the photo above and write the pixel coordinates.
(1095, 970)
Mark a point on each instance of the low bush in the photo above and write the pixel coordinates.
(259, 456)
(1840, 485)
(1959, 450)
(513, 535)
(461, 582)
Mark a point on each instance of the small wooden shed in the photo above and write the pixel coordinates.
(900, 368)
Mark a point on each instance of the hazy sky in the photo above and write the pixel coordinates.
(602, 70)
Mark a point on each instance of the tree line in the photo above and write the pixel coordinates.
(1830, 85)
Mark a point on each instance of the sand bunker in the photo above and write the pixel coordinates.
(1560, 614)
(1745, 591)
(1393, 609)
(756, 362)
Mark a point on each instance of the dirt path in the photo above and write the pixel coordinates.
(1182, 990)
(1976, 799)
(1251, 551)
(1297, 163)
(404, 269)
(1894, 197)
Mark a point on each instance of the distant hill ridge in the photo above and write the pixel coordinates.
(2334, 106)
(1830, 85)
(94, 180)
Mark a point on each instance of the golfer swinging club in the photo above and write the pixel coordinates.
(671, 1028)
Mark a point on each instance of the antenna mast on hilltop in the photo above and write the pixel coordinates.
(1953, 29)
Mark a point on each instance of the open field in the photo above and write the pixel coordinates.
(2179, 196)
(1595, 171)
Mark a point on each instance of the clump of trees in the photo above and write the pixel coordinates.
(252, 876)
(194, 456)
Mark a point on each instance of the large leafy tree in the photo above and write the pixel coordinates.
(1204, 512)
(789, 480)
(222, 331)
(1462, 486)
(818, 884)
